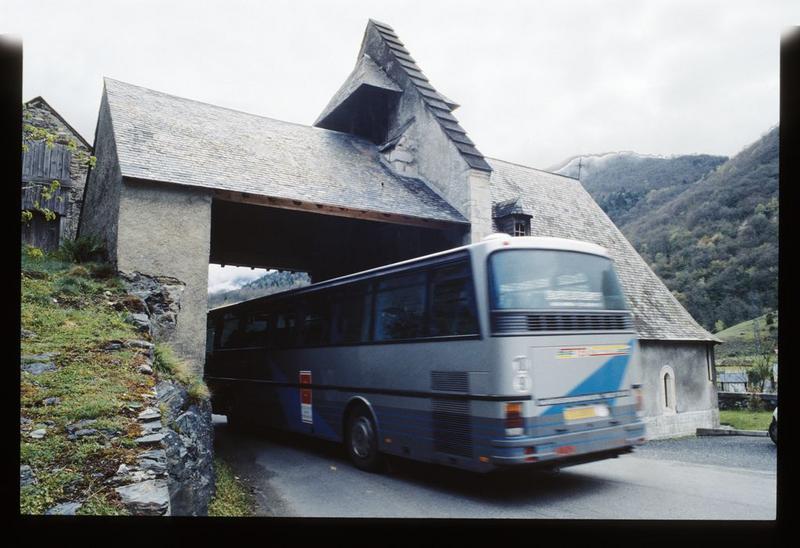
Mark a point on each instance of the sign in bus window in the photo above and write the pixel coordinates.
(540, 279)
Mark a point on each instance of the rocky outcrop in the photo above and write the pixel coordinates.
(188, 446)
(174, 473)
(160, 298)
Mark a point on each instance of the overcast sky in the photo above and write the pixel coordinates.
(538, 81)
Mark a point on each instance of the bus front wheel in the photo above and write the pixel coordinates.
(362, 441)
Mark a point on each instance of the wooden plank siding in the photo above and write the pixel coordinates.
(32, 193)
(44, 163)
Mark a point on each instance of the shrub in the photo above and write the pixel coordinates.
(166, 363)
(33, 252)
(82, 250)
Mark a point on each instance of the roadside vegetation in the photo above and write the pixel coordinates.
(232, 498)
(81, 386)
(746, 419)
(69, 316)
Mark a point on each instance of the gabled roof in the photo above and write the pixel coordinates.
(40, 99)
(160, 137)
(562, 208)
(440, 106)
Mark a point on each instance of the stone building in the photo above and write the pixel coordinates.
(65, 161)
(384, 174)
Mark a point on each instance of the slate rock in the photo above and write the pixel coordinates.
(26, 334)
(149, 414)
(51, 401)
(38, 434)
(140, 321)
(37, 368)
(146, 498)
(64, 509)
(145, 369)
(82, 433)
(80, 425)
(26, 476)
(150, 438)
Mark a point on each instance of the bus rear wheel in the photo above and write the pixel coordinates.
(361, 440)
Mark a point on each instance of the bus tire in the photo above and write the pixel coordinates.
(361, 441)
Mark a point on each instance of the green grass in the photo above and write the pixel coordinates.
(232, 498)
(74, 314)
(168, 365)
(746, 420)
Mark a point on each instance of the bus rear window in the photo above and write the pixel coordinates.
(535, 279)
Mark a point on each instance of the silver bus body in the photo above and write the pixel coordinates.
(526, 387)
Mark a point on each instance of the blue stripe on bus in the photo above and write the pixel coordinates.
(608, 378)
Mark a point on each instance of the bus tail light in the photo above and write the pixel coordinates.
(514, 420)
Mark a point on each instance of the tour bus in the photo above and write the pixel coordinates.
(511, 351)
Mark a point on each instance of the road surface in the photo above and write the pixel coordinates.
(693, 478)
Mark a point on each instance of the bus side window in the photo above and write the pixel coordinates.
(452, 302)
(284, 333)
(400, 307)
(352, 308)
(210, 332)
(255, 330)
(316, 320)
(230, 336)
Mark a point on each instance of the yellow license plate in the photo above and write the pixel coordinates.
(578, 413)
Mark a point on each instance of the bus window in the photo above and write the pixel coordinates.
(316, 321)
(400, 307)
(231, 333)
(284, 333)
(541, 279)
(452, 302)
(352, 309)
(254, 332)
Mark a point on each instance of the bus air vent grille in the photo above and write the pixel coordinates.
(505, 322)
(452, 427)
(450, 381)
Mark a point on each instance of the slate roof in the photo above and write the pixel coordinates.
(561, 207)
(161, 137)
(439, 105)
(366, 73)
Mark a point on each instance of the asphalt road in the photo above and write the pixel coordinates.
(693, 478)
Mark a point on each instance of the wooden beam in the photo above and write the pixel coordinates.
(338, 211)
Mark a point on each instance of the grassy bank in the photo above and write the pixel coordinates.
(70, 314)
(746, 420)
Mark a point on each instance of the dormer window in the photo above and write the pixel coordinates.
(511, 218)
(522, 227)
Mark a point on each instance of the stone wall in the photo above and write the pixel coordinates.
(174, 475)
(103, 187)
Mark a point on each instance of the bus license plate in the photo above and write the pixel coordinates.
(585, 412)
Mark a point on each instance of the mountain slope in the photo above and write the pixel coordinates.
(628, 185)
(715, 245)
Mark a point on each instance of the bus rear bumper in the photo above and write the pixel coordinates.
(570, 448)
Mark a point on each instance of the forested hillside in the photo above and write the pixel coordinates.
(715, 245)
(707, 227)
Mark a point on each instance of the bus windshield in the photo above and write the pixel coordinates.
(553, 279)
